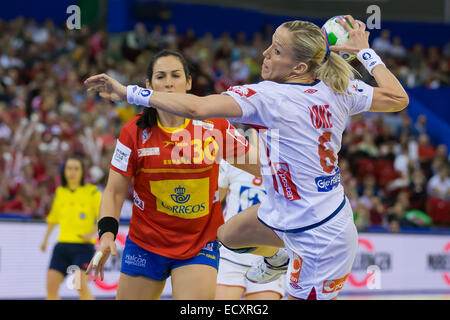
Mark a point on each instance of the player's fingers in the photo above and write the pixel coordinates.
(89, 268)
(336, 48)
(344, 24)
(97, 257)
(95, 268)
(97, 87)
(102, 272)
(362, 25)
(94, 79)
(113, 249)
(104, 95)
(97, 78)
(351, 21)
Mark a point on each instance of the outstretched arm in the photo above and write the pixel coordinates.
(112, 200)
(390, 96)
(181, 104)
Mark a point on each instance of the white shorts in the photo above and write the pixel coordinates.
(233, 275)
(321, 258)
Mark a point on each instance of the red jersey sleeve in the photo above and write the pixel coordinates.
(124, 157)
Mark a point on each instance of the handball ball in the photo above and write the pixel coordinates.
(337, 35)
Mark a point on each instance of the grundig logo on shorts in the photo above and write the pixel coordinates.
(297, 263)
(330, 286)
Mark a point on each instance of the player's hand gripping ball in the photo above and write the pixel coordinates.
(335, 34)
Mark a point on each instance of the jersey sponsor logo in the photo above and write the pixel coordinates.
(189, 209)
(121, 156)
(295, 270)
(284, 174)
(242, 91)
(204, 124)
(148, 152)
(175, 143)
(137, 201)
(310, 91)
(330, 286)
(187, 199)
(328, 183)
(320, 116)
(179, 196)
(355, 87)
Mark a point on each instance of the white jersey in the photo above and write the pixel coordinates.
(244, 191)
(299, 149)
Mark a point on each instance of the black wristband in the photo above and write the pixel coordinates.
(108, 224)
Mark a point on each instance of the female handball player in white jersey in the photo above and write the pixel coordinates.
(305, 100)
(241, 190)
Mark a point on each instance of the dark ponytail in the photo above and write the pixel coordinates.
(149, 116)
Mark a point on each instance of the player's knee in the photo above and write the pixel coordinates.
(231, 241)
(225, 236)
(221, 235)
(231, 237)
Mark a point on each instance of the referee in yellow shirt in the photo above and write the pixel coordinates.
(75, 209)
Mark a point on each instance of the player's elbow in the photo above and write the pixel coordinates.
(199, 110)
(191, 112)
(395, 102)
(194, 112)
(196, 109)
(405, 101)
(402, 102)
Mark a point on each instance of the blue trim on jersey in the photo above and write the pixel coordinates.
(302, 84)
(312, 226)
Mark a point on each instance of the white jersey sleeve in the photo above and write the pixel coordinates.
(359, 99)
(224, 177)
(253, 104)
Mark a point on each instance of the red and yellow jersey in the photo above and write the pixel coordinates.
(175, 171)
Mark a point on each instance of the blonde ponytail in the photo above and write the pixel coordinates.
(336, 73)
(310, 46)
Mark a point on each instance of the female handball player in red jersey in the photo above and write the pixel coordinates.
(173, 163)
(304, 103)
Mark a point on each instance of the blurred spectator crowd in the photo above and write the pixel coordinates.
(414, 66)
(393, 176)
